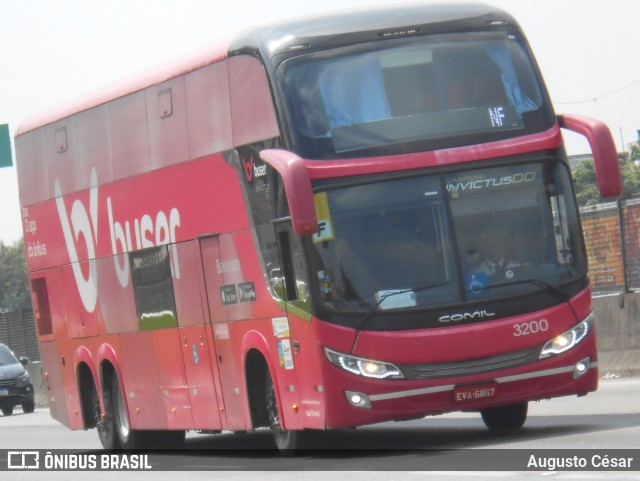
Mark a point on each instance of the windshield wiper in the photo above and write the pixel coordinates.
(536, 282)
(361, 322)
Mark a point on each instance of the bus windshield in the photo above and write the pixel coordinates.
(414, 94)
(429, 241)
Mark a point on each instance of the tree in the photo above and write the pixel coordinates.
(584, 177)
(14, 282)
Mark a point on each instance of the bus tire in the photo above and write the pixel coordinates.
(127, 437)
(287, 441)
(104, 424)
(504, 418)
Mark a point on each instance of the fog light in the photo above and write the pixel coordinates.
(358, 399)
(581, 367)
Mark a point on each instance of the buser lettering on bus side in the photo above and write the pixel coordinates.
(259, 170)
(147, 234)
(164, 229)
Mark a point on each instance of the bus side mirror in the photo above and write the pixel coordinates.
(605, 154)
(297, 185)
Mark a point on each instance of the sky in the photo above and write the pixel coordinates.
(54, 51)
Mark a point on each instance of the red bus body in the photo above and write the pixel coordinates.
(140, 175)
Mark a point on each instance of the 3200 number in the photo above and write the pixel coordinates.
(533, 327)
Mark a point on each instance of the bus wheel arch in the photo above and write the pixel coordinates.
(88, 395)
(86, 386)
(116, 431)
(256, 370)
(256, 367)
(265, 405)
(288, 441)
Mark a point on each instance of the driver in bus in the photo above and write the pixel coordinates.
(498, 259)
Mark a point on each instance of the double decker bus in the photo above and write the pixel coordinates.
(319, 224)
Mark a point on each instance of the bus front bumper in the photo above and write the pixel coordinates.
(353, 401)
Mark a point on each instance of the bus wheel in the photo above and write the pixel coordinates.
(287, 441)
(504, 418)
(127, 437)
(104, 425)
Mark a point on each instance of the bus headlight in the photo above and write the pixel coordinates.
(567, 340)
(363, 367)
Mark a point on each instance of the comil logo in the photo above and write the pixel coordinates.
(465, 316)
(85, 225)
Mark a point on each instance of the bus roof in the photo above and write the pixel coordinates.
(152, 76)
(288, 38)
(293, 37)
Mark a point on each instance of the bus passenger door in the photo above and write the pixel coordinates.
(203, 382)
(196, 337)
(231, 409)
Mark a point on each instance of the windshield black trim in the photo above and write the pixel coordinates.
(545, 296)
(556, 155)
(421, 318)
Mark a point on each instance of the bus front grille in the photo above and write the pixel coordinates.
(469, 367)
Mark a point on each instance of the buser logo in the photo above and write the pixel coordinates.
(85, 226)
(252, 169)
(125, 235)
(463, 316)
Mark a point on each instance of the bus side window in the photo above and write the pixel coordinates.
(253, 115)
(294, 269)
(153, 288)
(564, 243)
(287, 265)
(41, 309)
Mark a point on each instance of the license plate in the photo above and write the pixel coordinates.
(476, 392)
(4, 391)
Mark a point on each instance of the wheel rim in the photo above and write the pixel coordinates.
(272, 410)
(286, 441)
(123, 421)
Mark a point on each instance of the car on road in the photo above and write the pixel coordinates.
(15, 385)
